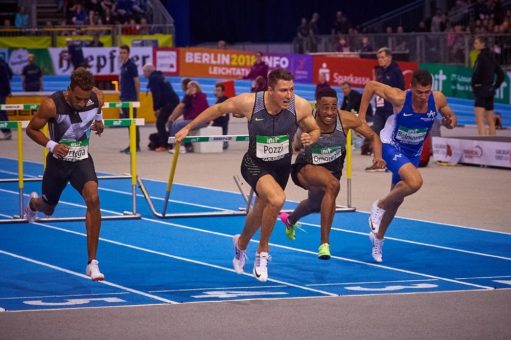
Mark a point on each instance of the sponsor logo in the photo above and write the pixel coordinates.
(476, 152)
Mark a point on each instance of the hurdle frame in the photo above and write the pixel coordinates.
(247, 197)
(112, 123)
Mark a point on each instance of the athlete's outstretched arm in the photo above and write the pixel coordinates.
(350, 121)
(391, 94)
(241, 105)
(448, 117)
(310, 129)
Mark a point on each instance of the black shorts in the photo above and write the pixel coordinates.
(58, 173)
(486, 102)
(252, 170)
(297, 167)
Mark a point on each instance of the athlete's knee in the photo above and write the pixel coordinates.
(276, 199)
(415, 183)
(92, 200)
(333, 186)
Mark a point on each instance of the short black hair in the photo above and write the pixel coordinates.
(125, 47)
(422, 77)
(82, 78)
(326, 92)
(220, 85)
(279, 74)
(482, 39)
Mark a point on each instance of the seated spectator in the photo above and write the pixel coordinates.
(341, 24)
(191, 106)
(131, 28)
(222, 121)
(221, 45)
(260, 84)
(21, 20)
(143, 28)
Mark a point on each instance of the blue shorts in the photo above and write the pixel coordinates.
(395, 159)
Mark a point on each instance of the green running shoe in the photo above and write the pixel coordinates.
(324, 251)
(290, 229)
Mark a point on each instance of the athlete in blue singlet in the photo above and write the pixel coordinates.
(273, 117)
(403, 137)
(318, 168)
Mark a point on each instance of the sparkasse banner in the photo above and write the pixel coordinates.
(103, 60)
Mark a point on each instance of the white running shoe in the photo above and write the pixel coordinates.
(261, 266)
(92, 270)
(30, 214)
(240, 256)
(375, 217)
(377, 247)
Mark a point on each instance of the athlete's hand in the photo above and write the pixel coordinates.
(181, 134)
(305, 139)
(98, 126)
(379, 163)
(449, 121)
(60, 150)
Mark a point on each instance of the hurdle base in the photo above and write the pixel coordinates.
(17, 219)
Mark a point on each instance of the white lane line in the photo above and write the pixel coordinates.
(60, 296)
(213, 288)
(315, 254)
(414, 242)
(367, 282)
(361, 211)
(180, 258)
(272, 244)
(484, 277)
(283, 247)
(67, 271)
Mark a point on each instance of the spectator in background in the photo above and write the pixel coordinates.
(342, 45)
(341, 24)
(95, 41)
(322, 84)
(351, 102)
(222, 121)
(314, 32)
(487, 77)
(437, 21)
(5, 91)
(165, 101)
(303, 36)
(193, 104)
(75, 53)
(129, 88)
(221, 45)
(365, 46)
(260, 84)
(259, 68)
(388, 73)
(21, 19)
(143, 28)
(32, 76)
(79, 15)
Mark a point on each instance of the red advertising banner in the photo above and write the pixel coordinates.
(356, 71)
(166, 60)
(202, 62)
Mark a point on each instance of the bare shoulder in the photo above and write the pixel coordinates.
(303, 107)
(440, 100)
(243, 102)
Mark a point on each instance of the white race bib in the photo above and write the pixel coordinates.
(272, 148)
(323, 155)
(411, 136)
(78, 150)
(380, 102)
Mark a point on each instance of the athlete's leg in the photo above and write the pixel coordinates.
(272, 198)
(490, 118)
(92, 217)
(411, 182)
(252, 223)
(479, 112)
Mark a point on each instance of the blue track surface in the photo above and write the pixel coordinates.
(155, 261)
